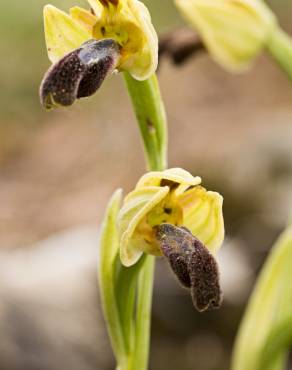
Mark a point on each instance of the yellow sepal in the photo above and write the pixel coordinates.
(85, 18)
(63, 33)
(136, 206)
(129, 23)
(203, 216)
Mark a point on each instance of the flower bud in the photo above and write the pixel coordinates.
(234, 31)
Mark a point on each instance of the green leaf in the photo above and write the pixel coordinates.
(277, 344)
(270, 304)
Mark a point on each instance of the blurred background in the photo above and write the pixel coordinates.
(58, 170)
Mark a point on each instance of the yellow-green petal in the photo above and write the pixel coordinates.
(145, 61)
(129, 24)
(85, 18)
(136, 206)
(176, 175)
(63, 34)
(96, 6)
(203, 216)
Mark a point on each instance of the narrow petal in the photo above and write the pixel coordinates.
(175, 175)
(203, 216)
(96, 6)
(136, 206)
(85, 18)
(63, 33)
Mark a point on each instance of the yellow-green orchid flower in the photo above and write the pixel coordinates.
(85, 47)
(127, 22)
(234, 31)
(172, 197)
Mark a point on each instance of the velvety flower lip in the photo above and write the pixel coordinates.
(172, 196)
(79, 74)
(192, 263)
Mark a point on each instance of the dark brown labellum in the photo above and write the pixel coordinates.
(192, 263)
(79, 74)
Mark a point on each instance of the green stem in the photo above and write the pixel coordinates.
(151, 117)
(150, 114)
(143, 317)
(280, 47)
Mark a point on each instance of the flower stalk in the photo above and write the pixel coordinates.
(151, 117)
(279, 47)
(126, 292)
(150, 113)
